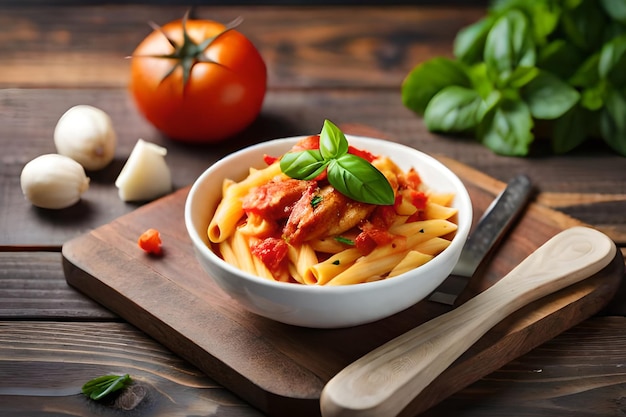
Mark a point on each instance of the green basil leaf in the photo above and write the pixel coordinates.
(344, 240)
(507, 128)
(480, 80)
(545, 17)
(333, 142)
(356, 178)
(469, 42)
(616, 9)
(561, 58)
(454, 109)
(584, 25)
(612, 62)
(428, 78)
(304, 165)
(509, 44)
(613, 122)
(548, 97)
(102, 386)
(571, 129)
(587, 74)
(593, 98)
(522, 76)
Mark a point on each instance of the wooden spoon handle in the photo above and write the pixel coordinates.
(384, 381)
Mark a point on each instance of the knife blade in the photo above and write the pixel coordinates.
(491, 227)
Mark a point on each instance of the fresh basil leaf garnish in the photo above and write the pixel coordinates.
(349, 174)
(361, 181)
(333, 142)
(316, 200)
(344, 240)
(304, 165)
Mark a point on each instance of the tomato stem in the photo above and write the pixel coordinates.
(189, 52)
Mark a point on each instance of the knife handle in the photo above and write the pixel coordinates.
(386, 380)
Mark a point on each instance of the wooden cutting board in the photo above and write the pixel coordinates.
(281, 369)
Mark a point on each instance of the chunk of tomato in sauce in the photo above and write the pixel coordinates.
(272, 252)
(372, 237)
(368, 156)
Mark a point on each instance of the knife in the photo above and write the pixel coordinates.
(491, 227)
(386, 380)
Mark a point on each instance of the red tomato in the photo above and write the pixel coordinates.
(150, 241)
(221, 94)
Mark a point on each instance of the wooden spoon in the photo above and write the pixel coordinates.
(386, 380)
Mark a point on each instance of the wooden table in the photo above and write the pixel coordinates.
(324, 62)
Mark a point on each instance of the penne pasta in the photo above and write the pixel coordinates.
(378, 243)
(443, 199)
(437, 211)
(261, 269)
(229, 211)
(228, 254)
(329, 245)
(302, 258)
(241, 248)
(432, 246)
(367, 266)
(322, 272)
(256, 225)
(424, 228)
(411, 260)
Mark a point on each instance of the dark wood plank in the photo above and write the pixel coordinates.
(87, 46)
(574, 374)
(44, 364)
(292, 364)
(33, 287)
(578, 373)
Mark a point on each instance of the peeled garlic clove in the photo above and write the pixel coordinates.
(53, 181)
(145, 176)
(85, 134)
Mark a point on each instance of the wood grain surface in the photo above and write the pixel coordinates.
(322, 63)
(344, 63)
(53, 360)
(282, 369)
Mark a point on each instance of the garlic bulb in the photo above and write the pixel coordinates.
(53, 181)
(85, 134)
(145, 176)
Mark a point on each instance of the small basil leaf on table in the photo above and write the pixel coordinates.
(100, 387)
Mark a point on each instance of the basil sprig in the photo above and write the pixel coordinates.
(351, 175)
(100, 387)
(552, 68)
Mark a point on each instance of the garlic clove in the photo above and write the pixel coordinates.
(145, 176)
(53, 181)
(85, 134)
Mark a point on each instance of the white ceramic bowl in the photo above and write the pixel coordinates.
(323, 306)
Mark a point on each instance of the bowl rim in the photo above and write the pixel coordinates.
(200, 245)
